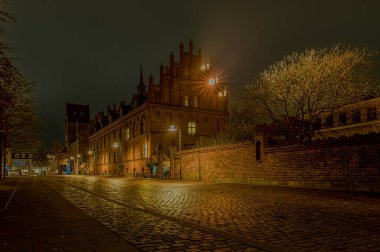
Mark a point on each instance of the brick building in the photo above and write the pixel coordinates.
(357, 118)
(77, 132)
(133, 139)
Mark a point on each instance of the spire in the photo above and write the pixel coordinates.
(191, 47)
(171, 59)
(141, 86)
(150, 79)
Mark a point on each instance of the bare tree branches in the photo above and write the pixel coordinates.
(296, 90)
(19, 127)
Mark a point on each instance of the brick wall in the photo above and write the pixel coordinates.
(352, 165)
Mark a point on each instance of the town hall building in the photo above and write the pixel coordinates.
(186, 108)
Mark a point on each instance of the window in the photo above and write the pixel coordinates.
(195, 102)
(127, 133)
(142, 125)
(186, 101)
(17, 155)
(192, 128)
(145, 150)
(330, 121)
(356, 116)
(343, 118)
(371, 114)
(30, 155)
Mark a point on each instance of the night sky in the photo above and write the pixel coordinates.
(90, 51)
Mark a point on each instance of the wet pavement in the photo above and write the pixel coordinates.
(80, 213)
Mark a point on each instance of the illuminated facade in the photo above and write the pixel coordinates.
(133, 139)
(358, 118)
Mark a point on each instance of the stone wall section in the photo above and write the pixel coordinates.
(352, 165)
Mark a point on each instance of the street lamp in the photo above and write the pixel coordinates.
(174, 128)
(72, 158)
(77, 168)
(121, 167)
(92, 153)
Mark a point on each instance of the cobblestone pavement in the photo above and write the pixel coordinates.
(35, 218)
(157, 215)
(153, 214)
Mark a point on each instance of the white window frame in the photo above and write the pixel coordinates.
(192, 128)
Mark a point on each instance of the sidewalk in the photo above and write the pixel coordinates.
(38, 219)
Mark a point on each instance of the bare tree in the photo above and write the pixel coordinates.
(294, 92)
(19, 127)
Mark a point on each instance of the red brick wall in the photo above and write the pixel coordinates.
(350, 166)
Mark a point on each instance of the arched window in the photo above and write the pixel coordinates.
(258, 150)
(127, 136)
(142, 126)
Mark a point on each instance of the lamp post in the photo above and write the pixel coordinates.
(72, 158)
(92, 154)
(118, 146)
(174, 128)
(78, 156)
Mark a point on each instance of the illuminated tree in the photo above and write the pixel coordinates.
(293, 93)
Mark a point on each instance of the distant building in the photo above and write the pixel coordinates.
(77, 132)
(357, 118)
(133, 139)
(20, 164)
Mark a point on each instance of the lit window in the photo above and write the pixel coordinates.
(127, 133)
(186, 101)
(145, 150)
(195, 102)
(192, 128)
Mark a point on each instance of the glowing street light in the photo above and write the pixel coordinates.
(174, 128)
(92, 153)
(117, 146)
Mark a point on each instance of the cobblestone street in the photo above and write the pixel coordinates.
(158, 215)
